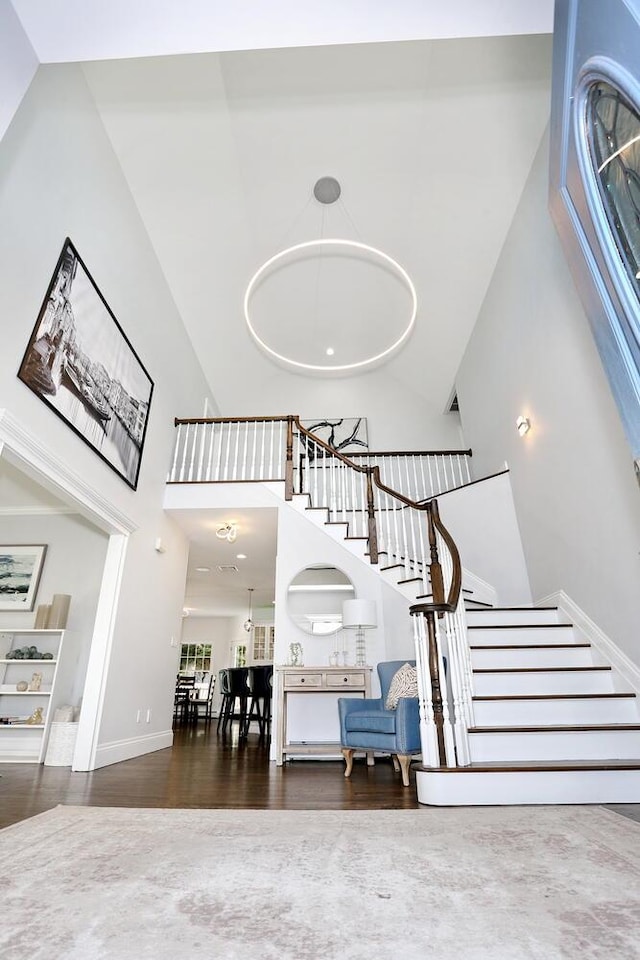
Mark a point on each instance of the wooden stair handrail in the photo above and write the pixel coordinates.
(440, 603)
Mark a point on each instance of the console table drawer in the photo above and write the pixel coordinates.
(337, 680)
(292, 681)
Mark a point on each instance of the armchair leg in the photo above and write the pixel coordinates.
(347, 753)
(396, 765)
(405, 762)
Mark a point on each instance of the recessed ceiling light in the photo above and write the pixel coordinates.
(330, 351)
(241, 556)
(203, 569)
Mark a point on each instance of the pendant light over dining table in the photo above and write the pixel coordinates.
(248, 624)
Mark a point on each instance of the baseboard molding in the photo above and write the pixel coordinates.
(627, 669)
(118, 750)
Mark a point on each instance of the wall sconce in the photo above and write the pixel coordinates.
(523, 425)
(227, 531)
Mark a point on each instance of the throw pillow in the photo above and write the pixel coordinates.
(403, 684)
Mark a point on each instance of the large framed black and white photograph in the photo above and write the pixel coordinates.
(80, 363)
(20, 569)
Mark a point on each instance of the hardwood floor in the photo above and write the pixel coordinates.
(203, 770)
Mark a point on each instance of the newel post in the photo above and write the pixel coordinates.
(435, 569)
(288, 473)
(371, 513)
(436, 690)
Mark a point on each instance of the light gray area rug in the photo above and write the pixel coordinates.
(498, 883)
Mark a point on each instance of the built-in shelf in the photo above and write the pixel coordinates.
(23, 742)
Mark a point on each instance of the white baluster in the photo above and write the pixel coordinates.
(225, 475)
(211, 427)
(174, 465)
(467, 462)
(202, 432)
(253, 473)
(423, 490)
(423, 554)
(428, 731)
(447, 728)
(194, 443)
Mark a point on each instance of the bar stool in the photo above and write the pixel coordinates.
(225, 690)
(260, 685)
(238, 691)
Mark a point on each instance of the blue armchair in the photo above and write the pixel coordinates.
(368, 725)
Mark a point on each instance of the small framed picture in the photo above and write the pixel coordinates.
(20, 569)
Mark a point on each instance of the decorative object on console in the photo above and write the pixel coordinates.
(296, 655)
(359, 615)
(404, 683)
(79, 352)
(20, 569)
(36, 682)
(22, 686)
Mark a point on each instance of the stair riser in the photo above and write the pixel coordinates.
(482, 618)
(521, 635)
(553, 745)
(505, 684)
(517, 787)
(514, 713)
(520, 659)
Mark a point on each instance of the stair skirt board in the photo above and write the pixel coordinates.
(523, 745)
(465, 786)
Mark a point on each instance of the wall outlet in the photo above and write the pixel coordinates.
(174, 642)
(149, 715)
(138, 716)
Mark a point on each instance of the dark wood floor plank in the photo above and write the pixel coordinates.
(203, 770)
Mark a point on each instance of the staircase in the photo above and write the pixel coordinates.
(530, 711)
(553, 722)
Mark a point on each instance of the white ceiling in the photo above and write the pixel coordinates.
(431, 139)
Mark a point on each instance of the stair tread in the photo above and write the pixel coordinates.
(528, 646)
(519, 626)
(356, 538)
(526, 609)
(558, 696)
(526, 766)
(393, 566)
(558, 728)
(534, 669)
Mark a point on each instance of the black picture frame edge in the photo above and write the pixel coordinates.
(68, 243)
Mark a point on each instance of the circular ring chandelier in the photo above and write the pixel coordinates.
(351, 244)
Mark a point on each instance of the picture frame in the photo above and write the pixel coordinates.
(345, 435)
(20, 570)
(80, 362)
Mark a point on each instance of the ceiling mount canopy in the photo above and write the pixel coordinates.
(327, 190)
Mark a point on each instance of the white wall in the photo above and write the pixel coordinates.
(18, 63)
(59, 177)
(482, 520)
(532, 353)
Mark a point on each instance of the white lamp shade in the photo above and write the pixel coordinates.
(359, 615)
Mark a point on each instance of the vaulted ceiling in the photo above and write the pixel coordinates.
(431, 140)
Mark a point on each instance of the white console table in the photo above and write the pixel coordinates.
(313, 680)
